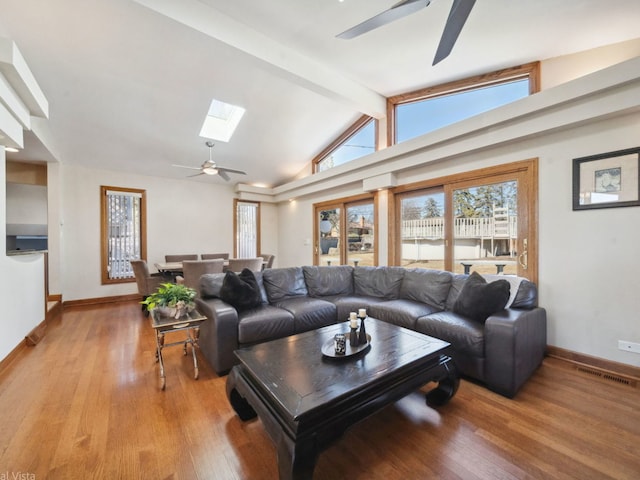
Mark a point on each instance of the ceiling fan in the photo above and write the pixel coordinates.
(209, 167)
(457, 17)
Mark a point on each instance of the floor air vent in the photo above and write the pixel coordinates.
(607, 376)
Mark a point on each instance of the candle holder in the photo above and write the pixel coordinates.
(362, 334)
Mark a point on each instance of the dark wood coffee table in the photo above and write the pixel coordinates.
(306, 400)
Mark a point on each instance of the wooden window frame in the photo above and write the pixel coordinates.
(343, 204)
(344, 136)
(104, 247)
(496, 173)
(235, 226)
(529, 70)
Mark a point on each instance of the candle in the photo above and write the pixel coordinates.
(353, 323)
(352, 316)
(362, 313)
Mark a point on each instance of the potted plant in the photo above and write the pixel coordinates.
(171, 299)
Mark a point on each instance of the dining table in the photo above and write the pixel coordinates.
(175, 268)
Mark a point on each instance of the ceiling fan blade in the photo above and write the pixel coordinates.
(224, 175)
(184, 166)
(231, 170)
(195, 175)
(399, 10)
(457, 17)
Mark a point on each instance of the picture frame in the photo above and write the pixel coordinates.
(607, 180)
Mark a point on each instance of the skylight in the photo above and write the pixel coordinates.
(221, 121)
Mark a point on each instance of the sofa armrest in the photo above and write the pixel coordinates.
(219, 334)
(515, 343)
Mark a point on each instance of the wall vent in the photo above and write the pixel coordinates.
(607, 376)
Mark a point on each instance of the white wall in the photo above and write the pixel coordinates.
(26, 204)
(182, 217)
(21, 284)
(269, 230)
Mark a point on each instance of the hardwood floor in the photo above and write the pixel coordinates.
(85, 403)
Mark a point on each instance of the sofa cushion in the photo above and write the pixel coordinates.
(309, 313)
(464, 334)
(401, 312)
(527, 296)
(210, 284)
(264, 323)
(281, 283)
(346, 304)
(382, 282)
(426, 286)
(323, 281)
(479, 299)
(456, 285)
(241, 290)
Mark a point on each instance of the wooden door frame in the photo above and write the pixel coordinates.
(524, 171)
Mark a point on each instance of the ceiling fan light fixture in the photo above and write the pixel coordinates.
(210, 170)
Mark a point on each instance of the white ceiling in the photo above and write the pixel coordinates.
(128, 86)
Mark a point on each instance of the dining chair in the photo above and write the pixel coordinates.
(193, 269)
(267, 260)
(239, 264)
(147, 282)
(180, 258)
(210, 256)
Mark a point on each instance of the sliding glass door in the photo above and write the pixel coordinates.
(482, 221)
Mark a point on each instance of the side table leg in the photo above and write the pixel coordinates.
(195, 359)
(160, 344)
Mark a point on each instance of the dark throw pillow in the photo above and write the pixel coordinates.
(241, 291)
(478, 299)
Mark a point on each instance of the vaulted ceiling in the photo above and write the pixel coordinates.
(129, 82)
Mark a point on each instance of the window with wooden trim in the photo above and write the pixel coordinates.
(417, 113)
(346, 231)
(123, 232)
(357, 141)
(482, 220)
(246, 227)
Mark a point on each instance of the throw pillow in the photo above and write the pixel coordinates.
(478, 299)
(241, 291)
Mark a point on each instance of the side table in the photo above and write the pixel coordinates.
(163, 324)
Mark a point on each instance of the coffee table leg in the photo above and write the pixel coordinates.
(296, 461)
(447, 385)
(244, 410)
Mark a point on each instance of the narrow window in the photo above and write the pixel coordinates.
(123, 227)
(247, 229)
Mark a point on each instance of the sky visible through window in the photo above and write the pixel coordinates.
(362, 143)
(417, 118)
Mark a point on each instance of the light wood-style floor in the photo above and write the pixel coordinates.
(84, 404)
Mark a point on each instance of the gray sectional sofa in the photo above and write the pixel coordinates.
(502, 352)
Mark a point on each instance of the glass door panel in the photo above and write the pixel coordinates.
(360, 237)
(422, 230)
(328, 248)
(485, 228)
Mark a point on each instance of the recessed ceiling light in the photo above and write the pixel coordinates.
(11, 149)
(221, 121)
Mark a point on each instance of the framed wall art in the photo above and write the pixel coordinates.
(607, 180)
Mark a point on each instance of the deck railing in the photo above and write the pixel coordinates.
(480, 227)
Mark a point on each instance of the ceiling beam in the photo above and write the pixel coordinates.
(293, 65)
